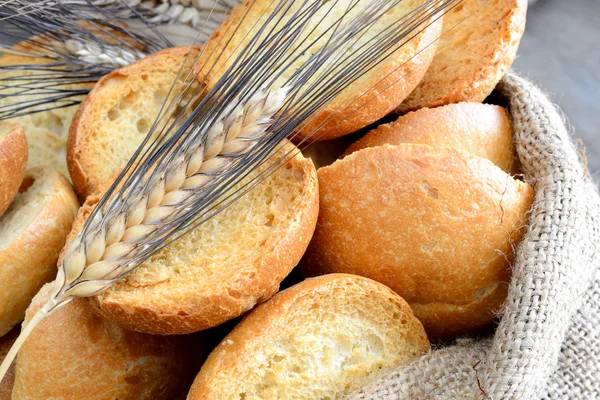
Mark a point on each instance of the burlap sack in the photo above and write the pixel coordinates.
(547, 344)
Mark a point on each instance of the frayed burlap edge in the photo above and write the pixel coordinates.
(547, 343)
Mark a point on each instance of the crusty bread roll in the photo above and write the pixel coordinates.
(47, 130)
(316, 340)
(75, 354)
(227, 265)
(484, 130)
(377, 93)
(479, 43)
(6, 385)
(438, 226)
(32, 234)
(114, 118)
(221, 269)
(13, 160)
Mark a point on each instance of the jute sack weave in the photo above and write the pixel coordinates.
(547, 344)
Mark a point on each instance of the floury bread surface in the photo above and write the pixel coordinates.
(438, 226)
(318, 339)
(371, 97)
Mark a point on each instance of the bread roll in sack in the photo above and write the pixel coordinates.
(77, 355)
(219, 270)
(6, 385)
(32, 233)
(438, 226)
(318, 339)
(378, 92)
(13, 161)
(484, 130)
(478, 44)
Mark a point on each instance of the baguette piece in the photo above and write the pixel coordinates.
(318, 339)
(479, 43)
(438, 226)
(116, 116)
(47, 130)
(7, 383)
(227, 265)
(219, 270)
(484, 130)
(32, 233)
(13, 160)
(75, 354)
(371, 97)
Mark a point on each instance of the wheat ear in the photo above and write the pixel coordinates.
(93, 263)
(77, 44)
(108, 250)
(196, 13)
(97, 54)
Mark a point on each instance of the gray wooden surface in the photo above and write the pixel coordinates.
(561, 52)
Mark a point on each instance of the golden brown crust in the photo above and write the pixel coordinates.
(438, 226)
(75, 354)
(89, 169)
(285, 311)
(478, 45)
(13, 160)
(29, 259)
(6, 385)
(483, 130)
(148, 300)
(357, 106)
(378, 96)
(152, 311)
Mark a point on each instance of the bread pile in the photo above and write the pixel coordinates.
(407, 237)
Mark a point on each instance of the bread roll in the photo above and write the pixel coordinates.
(47, 130)
(13, 160)
(227, 265)
(484, 130)
(378, 92)
(479, 43)
(114, 118)
(6, 385)
(32, 233)
(75, 354)
(316, 340)
(438, 226)
(221, 269)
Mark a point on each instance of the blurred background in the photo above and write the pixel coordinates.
(560, 51)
